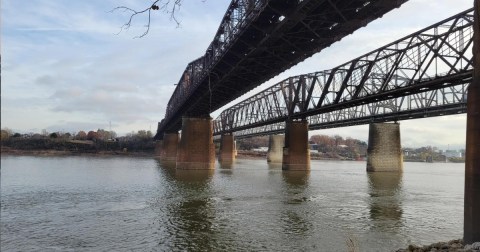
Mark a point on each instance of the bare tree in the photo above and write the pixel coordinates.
(168, 6)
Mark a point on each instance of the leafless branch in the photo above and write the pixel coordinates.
(156, 5)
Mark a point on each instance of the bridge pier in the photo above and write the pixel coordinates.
(384, 153)
(158, 148)
(169, 147)
(196, 150)
(227, 148)
(296, 154)
(275, 148)
(471, 226)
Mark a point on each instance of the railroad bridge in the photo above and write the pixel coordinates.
(432, 72)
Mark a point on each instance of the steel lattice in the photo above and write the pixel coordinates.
(428, 69)
(258, 39)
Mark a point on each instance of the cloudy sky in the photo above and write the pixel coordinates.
(66, 68)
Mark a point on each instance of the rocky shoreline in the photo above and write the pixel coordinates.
(450, 246)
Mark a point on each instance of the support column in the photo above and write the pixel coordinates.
(296, 154)
(169, 148)
(196, 150)
(471, 228)
(384, 153)
(158, 148)
(227, 148)
(275, 148)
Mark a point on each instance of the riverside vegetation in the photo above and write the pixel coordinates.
(141, 143)
(99, 142)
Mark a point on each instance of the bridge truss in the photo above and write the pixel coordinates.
(423, 74)
(258, 39)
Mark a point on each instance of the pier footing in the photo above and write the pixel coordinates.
(196, 150)
(384, 149)
(296, 154)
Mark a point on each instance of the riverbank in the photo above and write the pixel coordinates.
(46, 153)
(450, 246)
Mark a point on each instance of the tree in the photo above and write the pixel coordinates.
(167, 6)
(81, 135)
(53, 135)
(6, 133)
(92, 135)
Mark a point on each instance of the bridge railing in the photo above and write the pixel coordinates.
(432, 58)
(237, 17)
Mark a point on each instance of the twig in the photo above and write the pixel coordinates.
(163, 6)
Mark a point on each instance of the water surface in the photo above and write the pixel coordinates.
(142, 204)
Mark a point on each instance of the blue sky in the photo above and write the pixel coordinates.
(66, 68)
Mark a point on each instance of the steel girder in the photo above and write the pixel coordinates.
(435, 58)
(449, 100)
(258, 39)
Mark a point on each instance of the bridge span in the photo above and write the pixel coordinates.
(257, 40)
(433, 72)
(424, 74)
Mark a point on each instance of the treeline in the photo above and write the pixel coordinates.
(81, 142)
(320, 145)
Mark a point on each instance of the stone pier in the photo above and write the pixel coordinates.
(384, 153)
(296, 154)
(196, 150)
(169, 147)
(471, 229)
(227, 148)
(275, 148)
(158, 148)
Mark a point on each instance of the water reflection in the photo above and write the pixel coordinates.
(385, 200)
(296, 222)
(296, 179)
(187, 211)
(226, 164)
(274, 166)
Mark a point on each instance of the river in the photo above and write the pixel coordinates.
(87, 203)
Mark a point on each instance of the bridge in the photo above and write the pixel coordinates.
(433, 72)
(257, 40)
(421, 75)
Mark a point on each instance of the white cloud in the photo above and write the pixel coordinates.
(64, 67)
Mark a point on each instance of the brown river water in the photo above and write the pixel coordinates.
(142, 204)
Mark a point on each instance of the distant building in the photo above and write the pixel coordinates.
(261, 149)
(452, 153)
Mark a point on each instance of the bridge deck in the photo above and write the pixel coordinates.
(259, 39)
(425, 71)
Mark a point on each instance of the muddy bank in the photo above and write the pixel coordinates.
(46, 153)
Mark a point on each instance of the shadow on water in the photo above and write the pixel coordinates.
(385, 200)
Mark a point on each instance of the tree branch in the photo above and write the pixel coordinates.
(162, 5)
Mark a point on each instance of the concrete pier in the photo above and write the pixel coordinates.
(227, 148)
(471, 229)
(384, 153)
(169, 147)
(196, 150)
(296, 154)
(275, 149)
(158, 148)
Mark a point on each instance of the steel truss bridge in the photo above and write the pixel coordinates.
(424, 74)
(258, 39)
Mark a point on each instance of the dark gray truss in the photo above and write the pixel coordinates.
(423, 74)
(258, 39)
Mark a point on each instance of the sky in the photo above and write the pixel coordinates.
(67, 66)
